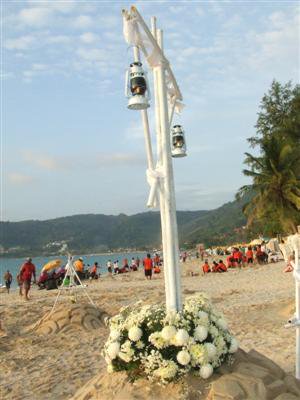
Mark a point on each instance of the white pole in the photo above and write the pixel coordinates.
(145, 120)
(169, 191)
(172, 109)
(297, 268)
(159, 164)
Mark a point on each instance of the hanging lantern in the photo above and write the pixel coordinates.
(178, 146)
(137, 87)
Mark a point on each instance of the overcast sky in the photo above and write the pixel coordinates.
(69, 143)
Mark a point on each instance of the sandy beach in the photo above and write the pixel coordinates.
(257, 301)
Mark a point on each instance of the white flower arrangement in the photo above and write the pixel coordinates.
(147, 341)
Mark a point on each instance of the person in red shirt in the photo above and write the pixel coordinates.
(148, 265)
(93, 271)
(206, 267)
(230, 261)
(249, 255)
(238, 256)
(214, 267)
(221, 267)
(26, 272)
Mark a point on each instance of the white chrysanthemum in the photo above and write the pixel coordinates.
(200, 333)
(211, 350)
(110, 368)
(199, 354)
(181, 337)
(183, 357)
(124, 356)
(213, 331)
(135, 333)
(202, 314)
(168, 371)
(206, 371)
(140, 345)
(157, 340)
(114, 335)
(113, 350)
(168, 332)
(234, 345)
(222, 323)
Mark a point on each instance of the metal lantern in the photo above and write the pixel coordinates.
(137, 87)
(178, 146)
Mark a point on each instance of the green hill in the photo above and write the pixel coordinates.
(97, 232)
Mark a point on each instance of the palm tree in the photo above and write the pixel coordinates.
(276, 183)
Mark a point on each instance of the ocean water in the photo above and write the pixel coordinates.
(14, 264)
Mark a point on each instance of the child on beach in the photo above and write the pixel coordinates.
(8, 280)
(206, 267)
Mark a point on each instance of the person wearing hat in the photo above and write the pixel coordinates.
(26, 272)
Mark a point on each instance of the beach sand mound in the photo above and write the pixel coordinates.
(68, 317)
(251, 376)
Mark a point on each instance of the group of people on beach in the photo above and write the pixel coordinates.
(150, 264)
(238, 258)
(28, 271)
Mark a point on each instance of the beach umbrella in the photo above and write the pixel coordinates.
(51, 265)
(255, 242)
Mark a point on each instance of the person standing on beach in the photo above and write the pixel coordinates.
(148, 265)
(26, 272)
(8, 280)
(137, 261)
(20, 284)
(249, 255)
(109, 266)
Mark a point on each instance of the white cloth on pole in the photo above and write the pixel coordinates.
(153, 175)
(130, 31)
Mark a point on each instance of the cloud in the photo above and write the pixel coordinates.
(58, 39)
(233, 22)
(42, 161)
(197, 197)
(97, 160)
(93, 54)
(20, 43)
(35, 16)
(82, 22)
(17, 178)
(39, 67)
(278, 43)
(199, 11)
(6, 75)
(88, 37)
(119, 159)
(64, 7)
(108, 21)
(176, 9)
